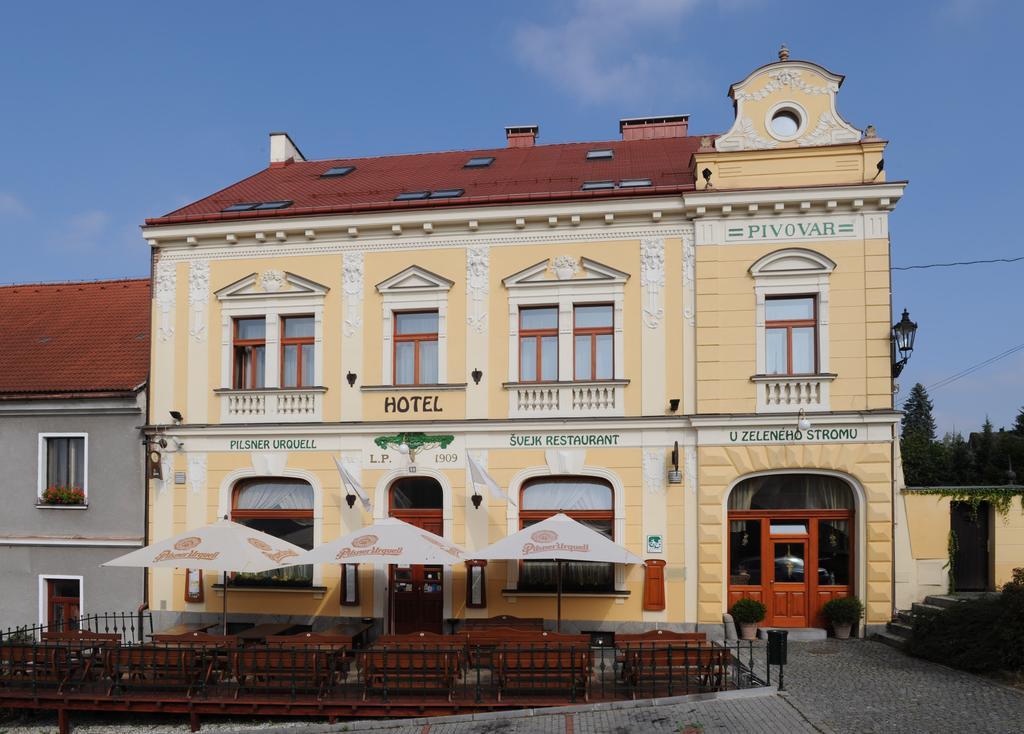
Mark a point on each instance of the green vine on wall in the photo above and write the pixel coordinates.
(1000, 498)
(952, 546)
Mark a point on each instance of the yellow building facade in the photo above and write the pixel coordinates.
(700, 370)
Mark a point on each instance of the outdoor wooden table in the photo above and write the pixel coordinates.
(355, 631)
(261, 632)
(181, 630)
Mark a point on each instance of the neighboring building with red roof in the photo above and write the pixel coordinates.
(73, 373)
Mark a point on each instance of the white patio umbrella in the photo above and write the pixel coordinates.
(558, 538)
(223, 546)
(391, 541)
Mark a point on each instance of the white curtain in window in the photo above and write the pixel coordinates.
(792, 492)
(578, 493)
(275, 494)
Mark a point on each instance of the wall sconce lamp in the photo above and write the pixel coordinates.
(351, 377)
(351, 500)
(903, 334)
(673, 405)
(176, 416)
(706, 173)
(674, 475)
(476, 499)
(476, 374)
(802, 422)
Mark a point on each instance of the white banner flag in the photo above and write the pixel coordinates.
(353, 485)
(479, 476)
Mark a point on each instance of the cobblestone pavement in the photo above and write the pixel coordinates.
(850, 687)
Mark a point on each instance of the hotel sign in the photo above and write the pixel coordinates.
(791, 229)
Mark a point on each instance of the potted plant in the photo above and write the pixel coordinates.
(747, 613)
(843, 614)
(57, 494)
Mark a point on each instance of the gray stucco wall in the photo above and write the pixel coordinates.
(71, 542)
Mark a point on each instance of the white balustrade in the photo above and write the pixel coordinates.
(563, 400)
(285, 405)
(785, 394)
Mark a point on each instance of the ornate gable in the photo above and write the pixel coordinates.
(415, 279)
(564, 270)
(270, 283)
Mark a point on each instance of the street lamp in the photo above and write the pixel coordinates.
(903, 334)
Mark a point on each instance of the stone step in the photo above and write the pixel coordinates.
(926, 608)
(900, 629)
(888, 638)
(943, 601)
(905, 616)
(796, 634)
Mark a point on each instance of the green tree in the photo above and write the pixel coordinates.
(1018, 423)
(917, 414)
(959, 459)
(984, 453)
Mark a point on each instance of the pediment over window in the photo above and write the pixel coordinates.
(792, 261)
(415, 279)
(271, 283)
(564, 270)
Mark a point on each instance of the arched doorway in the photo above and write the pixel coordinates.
(417, 592)
(791, 545)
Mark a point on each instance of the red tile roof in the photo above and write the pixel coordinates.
(63, 339)
(518, 175)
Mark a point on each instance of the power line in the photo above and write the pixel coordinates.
(957, 264)
(974, 368)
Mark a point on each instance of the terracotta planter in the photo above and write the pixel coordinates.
(841, 630)
(748, 631)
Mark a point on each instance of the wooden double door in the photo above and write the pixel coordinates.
(792, 561)
(417, 592)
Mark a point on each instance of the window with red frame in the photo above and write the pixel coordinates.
(791, 335)
(297, 351)
(538, 344)
(281, 507)
(416, 348)
(593, 342)
(586, 499)
(250, 351)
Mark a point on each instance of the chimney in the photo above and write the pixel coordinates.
(661, 126)
(283, 151)
(522, 136)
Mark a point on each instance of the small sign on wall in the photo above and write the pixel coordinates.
(655, 544)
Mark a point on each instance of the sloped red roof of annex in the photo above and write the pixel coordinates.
(65, 339)
(517, 175)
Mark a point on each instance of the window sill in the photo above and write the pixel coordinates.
(230, 390)
(557, 383)
(821, 377)
(317, 591)
(444, 386)
(576, 594)
(40, 506)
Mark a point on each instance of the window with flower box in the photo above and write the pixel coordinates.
(63, 467)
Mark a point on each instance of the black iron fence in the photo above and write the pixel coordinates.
(111, 659)
(132, 628)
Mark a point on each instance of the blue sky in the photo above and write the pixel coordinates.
(111, 112)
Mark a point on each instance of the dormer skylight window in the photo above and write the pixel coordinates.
(600, 155)
(597, 185)
(481, 162)
(446, 193)
(412, 195)
(251, 206)
(629, 183)
(337, 171)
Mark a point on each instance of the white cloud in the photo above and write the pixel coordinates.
(596, 53)
(83, 231)
(11, 205)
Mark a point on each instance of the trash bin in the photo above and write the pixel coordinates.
(777, 646)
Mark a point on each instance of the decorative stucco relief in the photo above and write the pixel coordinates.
(654, 471)
(829, 131)
(198, 297)
(477, 274)
(272, 280)
(690, 469)
(689, 274)
(164, 285)
(652, 278)
(352, 284)
(565, 267)
(197, 472)
(787, 78)
(743, 137)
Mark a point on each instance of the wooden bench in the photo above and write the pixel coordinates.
(505, 621)
(668, 637)
(409, 668)
(200, 639)
(159, 666)
(83, 636)
(32, 663)
(483, 642)
(87, 651)
(457, 643)
(545, 668)
(296, 669)
(682, 665)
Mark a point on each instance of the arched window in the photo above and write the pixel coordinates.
(792, 492)
(586, 499)
(416, 493)
(280, 507)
